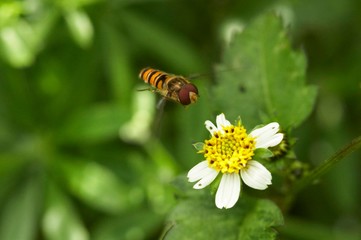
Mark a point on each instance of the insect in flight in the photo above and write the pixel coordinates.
(169, 86)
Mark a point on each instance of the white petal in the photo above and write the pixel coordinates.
(222, 122)
(269, 129)
(256, 175)
(269, 142)
(203, 173)
(211, 127)
(228, 191)
(267, 136)
(206, 180)
(198, 171)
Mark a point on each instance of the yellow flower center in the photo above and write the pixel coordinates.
(230, 151)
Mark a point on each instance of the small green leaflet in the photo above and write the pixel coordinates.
(198, 146)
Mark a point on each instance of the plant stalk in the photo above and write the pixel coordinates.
(327, 165)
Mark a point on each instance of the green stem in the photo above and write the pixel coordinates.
(325, 166)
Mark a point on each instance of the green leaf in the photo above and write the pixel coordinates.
(198, 146)
(138, 224)
(262, 153)
(98, 123)
(61, 220)
(163, 159)
(259, 222)
(20, 38)
(250, 219)
(139, 128)
(80, 27)
(11, 167)
(96, 185)
(75, 4)
(20, 214)
(9, 11)
(152, 36)
(15, 43)
(116, 58)
(266, 81)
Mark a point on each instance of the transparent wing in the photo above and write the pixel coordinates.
(161, 104)
(159, 116)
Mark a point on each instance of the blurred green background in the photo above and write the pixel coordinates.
(77, 156)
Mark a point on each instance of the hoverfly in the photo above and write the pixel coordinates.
(169, 86)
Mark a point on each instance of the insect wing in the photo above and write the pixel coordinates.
(161, 103)
(159, 115)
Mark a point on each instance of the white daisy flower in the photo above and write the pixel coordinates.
(229, 151)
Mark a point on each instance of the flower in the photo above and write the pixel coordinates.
(229, 151)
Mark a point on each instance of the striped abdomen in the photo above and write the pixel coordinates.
(155, 77)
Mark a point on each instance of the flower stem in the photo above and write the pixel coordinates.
(326, 165)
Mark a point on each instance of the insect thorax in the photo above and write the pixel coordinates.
(175, 84)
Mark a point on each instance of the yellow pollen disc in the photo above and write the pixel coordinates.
(230, 151)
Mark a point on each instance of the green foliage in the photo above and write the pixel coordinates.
(20, 39)
(95, 124)
(79, 156)
(20, 216)
(61, 220)
(159, 41)
(197, 218)
(80, 27)
(262, 153)
(107, 192)
(267, 81)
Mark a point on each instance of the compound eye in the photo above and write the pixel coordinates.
(188, 94)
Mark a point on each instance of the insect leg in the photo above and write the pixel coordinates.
(146, 89)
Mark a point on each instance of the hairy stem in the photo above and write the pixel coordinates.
(327, 165)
